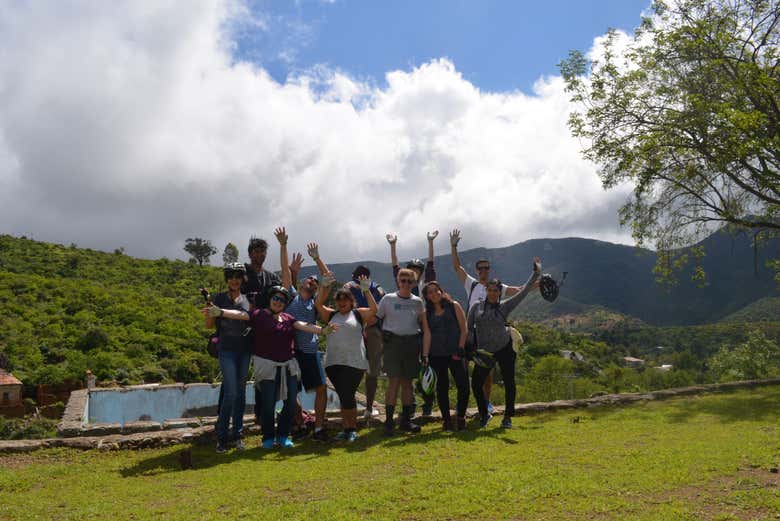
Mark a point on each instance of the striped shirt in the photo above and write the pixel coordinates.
(304, 311)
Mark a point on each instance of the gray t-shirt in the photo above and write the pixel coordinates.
(400, 315)
(345, 346)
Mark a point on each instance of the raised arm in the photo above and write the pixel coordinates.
(392, 239)
(511, 303)
(315, 329)
(365, 287)
(322, 295)
(295, 268)
(314, 253)
(456, 265)
(211, 311)
(281, 236)
(430, 269)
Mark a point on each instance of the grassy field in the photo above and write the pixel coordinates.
(707, 457)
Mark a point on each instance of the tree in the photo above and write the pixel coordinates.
(230, 255)
(688, 111)
(758, 357)
(200, 250)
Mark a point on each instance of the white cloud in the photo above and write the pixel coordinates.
(131, 124)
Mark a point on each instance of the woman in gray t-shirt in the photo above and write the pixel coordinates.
(345, 354)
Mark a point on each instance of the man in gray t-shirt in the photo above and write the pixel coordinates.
(400, 313)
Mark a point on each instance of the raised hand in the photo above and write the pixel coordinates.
(296, 263)
(432, 235)
(365, 283)
(281, 235)
(537, 264)
(212, 311)
(455, 237)
(328, 279)
(313, 250)
(391, 238)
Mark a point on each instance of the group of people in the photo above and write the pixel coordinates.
(273, 321)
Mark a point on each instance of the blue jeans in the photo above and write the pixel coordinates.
(234, 366)
(268, 390)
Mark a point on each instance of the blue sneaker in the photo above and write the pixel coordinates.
(341, 436)
(268, 444)
(485, 420)
(490, 408)
(352, 436)
(286, 443)
(506, 423)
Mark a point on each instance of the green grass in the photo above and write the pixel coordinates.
(702, 457)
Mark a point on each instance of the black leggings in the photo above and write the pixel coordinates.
(506, 363)
(346, 380)
(443, 365)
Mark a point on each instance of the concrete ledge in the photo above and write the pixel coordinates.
(162, 438)
(141, 426)
(100, 429)
(181, 423)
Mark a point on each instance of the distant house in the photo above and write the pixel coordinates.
(572, 355)
(664, 368)
(10, 391)
(630, 361)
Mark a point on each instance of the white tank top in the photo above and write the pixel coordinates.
(345, 346)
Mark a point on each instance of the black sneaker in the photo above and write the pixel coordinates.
(484, 420)
(389, 429)
(239, 445)
(427, 410)
(408, 426)
(320, 435)
(221, 448)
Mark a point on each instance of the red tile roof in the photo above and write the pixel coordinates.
(7, 378)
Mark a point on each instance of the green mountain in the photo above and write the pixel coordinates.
(762, 310)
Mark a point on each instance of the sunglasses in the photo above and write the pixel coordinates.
(405, 281)
(481, 268)
(277, 298)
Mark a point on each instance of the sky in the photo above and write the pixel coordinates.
(139, 124)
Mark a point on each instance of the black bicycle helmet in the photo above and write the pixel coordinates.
(278, 290)
(549, 288)
(416, 264)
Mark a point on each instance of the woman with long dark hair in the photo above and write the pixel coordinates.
(444, 336)
(345, 353)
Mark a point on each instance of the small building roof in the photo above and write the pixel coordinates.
(7, 378)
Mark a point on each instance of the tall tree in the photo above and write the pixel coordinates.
(230, 255)
(200, 250)
(688, 111)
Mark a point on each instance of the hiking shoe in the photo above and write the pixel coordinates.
(427, 409)
(367, 417)
(221, 448)
(389, 429)
(340, 436)
(490, 408)
(408, 426)
(286, 443)
(239, 445)
(484, 420)
(460, 424)
(352, 436)
(506, 423)
(268, 444)
(320, 435)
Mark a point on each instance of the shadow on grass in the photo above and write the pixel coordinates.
(728, 408)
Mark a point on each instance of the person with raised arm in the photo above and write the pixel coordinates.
(400, 313)
(306, 344)
(425, 273)
(276, 370)
(444, 338)
(372, 334)
(345, 353)
(234, 350)
(492, 343)
(476, 290)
